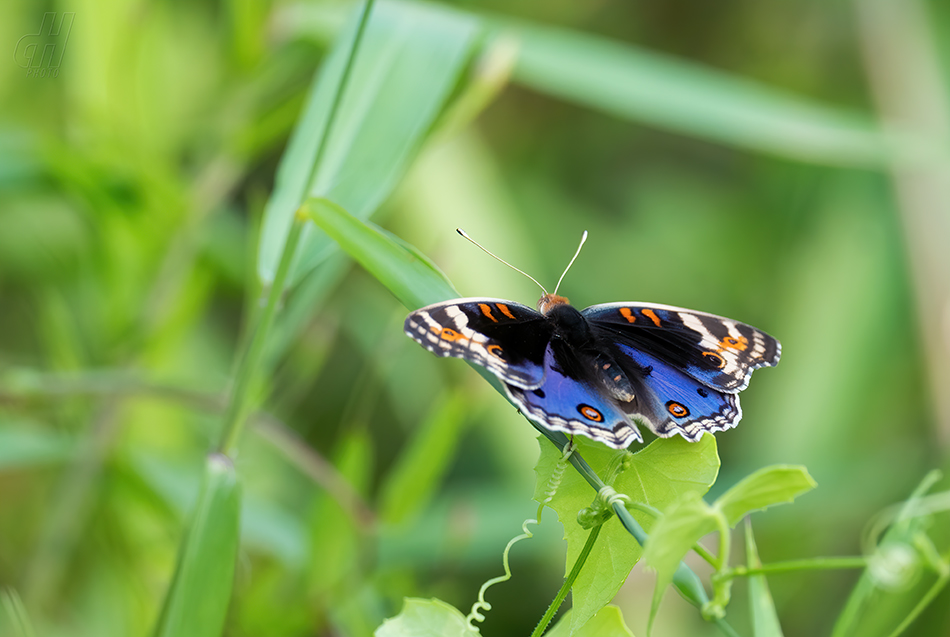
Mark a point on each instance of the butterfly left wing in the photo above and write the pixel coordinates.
(505, 337)
(718, 352)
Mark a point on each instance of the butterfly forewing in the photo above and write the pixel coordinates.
(718, 352)
(506, 338)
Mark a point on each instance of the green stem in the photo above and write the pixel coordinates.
(568, 582)
(921, 605)
(812, 564)
(239, 402)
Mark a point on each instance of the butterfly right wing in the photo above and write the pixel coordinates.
(506, 338)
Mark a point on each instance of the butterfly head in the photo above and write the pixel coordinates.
(549, 301)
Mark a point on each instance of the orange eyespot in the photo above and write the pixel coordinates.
(678, 410)
(715, 359)
(732, 342)
(590, 413)
(448, 334)
(496, 351)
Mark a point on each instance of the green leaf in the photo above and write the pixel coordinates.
(682, 525)
(197, 600)
(777, 484)
(410, 59)
(764, 617)
(656, 475)
(608, 622)
(426, 618)
(423, 463)
(643, 86)
(405, 271)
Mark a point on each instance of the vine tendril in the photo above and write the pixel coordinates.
(476, 615)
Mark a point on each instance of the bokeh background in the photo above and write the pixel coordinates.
(783, 164)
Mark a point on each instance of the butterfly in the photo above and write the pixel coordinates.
(603, 370)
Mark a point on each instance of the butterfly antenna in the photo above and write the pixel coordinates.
(463, 233)
(583, 239)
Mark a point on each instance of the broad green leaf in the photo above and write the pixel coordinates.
(644, 86)
(25, 446)
(608, 622)
(656, 475)
(405, 271)
(764, 617)
(409, 60)
(426, 618)
(197, 599)
(771, 485)
(682, 525)
(423, 463)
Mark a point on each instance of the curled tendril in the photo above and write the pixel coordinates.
(476, 615)
(610, 497)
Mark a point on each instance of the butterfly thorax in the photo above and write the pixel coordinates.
(581, 355)
(570, 326)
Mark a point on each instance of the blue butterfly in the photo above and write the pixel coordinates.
(603, 370)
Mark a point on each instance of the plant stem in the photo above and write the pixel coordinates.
(239, 402)
(811, 564)
(568, 582)
(928, 597)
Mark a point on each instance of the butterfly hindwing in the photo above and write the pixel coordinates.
(505, 337)
(718, 352)
(672, 402)
(575, 406)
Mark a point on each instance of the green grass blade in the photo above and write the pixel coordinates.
(196, 603)
(409, 61)
(764, 617)
(673, 95)
(405, 271)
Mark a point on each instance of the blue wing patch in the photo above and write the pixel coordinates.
(672, 402)
(574, 406)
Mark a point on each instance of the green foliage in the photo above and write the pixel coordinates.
(608, 622)
(657, 475)
(408, 274)
(424, 617)
(762, 489)
(409, 60)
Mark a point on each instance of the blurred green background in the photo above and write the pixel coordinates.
(783, 164)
